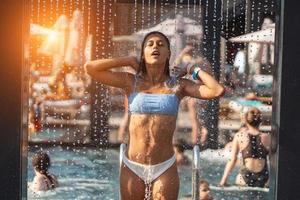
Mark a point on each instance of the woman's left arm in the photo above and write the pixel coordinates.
(208, 90)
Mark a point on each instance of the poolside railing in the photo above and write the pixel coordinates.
(196, 173)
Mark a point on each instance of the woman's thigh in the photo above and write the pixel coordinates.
(166, 186)
(131, 186)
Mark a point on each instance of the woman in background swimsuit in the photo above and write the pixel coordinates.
(148, 169)
(254, 147)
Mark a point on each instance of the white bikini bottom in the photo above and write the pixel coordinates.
(148, 173)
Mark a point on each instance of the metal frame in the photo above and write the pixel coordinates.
(196, 173)
(287, 106)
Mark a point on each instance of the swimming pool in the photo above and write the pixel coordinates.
(90, 173)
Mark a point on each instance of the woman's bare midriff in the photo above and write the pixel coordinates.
(151, 138)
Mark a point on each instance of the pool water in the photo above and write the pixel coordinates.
(89, 173)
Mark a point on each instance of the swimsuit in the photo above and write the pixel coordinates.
(144, 103)
(255, 179)
(147, 173)
(256, 150)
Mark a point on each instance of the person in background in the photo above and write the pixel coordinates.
(43, 180)
(255, 147)
(253, 96)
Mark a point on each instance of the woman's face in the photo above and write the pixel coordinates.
(156, 50)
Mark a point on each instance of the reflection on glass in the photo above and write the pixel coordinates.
(80, 123)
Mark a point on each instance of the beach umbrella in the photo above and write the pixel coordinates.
(266, 36)
(36, 29)
(176, 29)
(169, 27)
(75, 43)
(55, 43)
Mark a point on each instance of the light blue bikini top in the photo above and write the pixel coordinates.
(144, 103)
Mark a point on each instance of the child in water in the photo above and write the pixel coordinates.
(43, 180)
(204, 191)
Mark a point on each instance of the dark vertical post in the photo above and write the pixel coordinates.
(25, 76)
(276, 101)
(211, 50)
(11, 14)
(289, 109)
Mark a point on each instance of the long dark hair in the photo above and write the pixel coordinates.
(41, 163)
(142, 65)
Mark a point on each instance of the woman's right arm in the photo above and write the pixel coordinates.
(99, 70)
(231, 162)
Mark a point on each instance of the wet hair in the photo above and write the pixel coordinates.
(142, 65)
(253, 117)
(41, 162)
(202, 181)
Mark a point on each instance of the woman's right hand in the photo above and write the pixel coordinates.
(223, 183)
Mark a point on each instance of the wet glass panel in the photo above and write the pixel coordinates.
(79, 123)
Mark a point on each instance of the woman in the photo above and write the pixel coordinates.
(148, 167)
(43, 180)
(254, 147)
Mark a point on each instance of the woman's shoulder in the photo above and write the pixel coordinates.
(42, 182)
(243, 132)
(39, 178)
(39, 183)
(265, 138)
